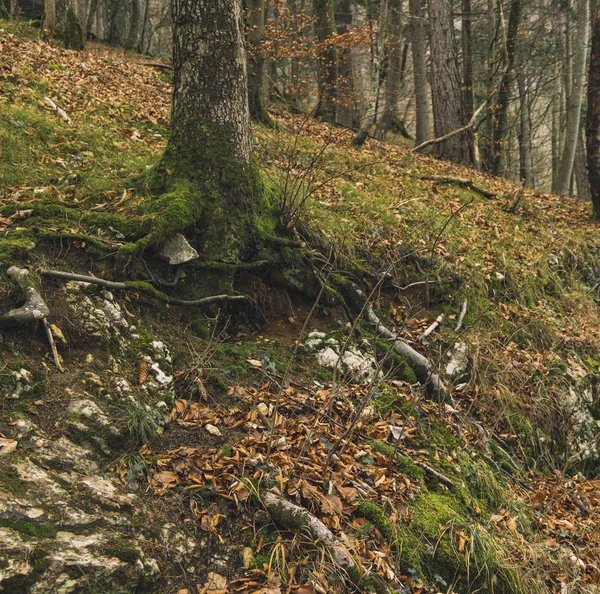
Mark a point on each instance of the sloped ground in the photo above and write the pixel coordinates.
(495, 491)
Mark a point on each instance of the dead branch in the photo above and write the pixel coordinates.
(459, 181)
(438, 475)
(431, 328)
(420, 364)
(53, 348)
(293, 517)
(59, 112)
(461, 317)
(140, 287)
(35, 307)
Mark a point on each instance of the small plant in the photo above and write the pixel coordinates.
(144, 423)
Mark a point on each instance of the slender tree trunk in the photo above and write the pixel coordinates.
(448, 114)
(328, 60)
(255, 19)
(593, 117)
(489, 81)
(207, 176)
(501, 115)
(371, 111)
(393, 80)
(418, 38)
(90, 17)
(134, 24)
(50, 15)
(580, 167)
(467, 58)
(346, 89)
(574, 98)
(525, 148)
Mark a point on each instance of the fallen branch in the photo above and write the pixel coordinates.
(461, 317)
(137, 286)
(431, 328)
(53, 348)
(293, 517)
(157, 65)
(35, 307)
(60, 112)
(438, 475)
(459, 181)
(420, 364)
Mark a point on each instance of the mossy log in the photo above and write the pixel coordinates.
(293, 517)
(35, 307)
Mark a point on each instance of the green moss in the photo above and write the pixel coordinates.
(9, 480)
(123, 550)
(30, 527)
(227, 450)
(405, 464)
(372, 512)
(396, 364)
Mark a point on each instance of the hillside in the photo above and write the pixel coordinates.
(154, 462)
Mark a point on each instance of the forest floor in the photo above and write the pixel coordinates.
(495, 490)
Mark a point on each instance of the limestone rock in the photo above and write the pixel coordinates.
(176, 250)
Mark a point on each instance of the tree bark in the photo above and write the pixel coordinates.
(488, 158)
(255, 20)
(448, 113)
(467, 58)
(394, 75)
(417, 38)
(135, 24)
(207, 177)
(501, 115)
(574, 98)
(327, 60)
(50, 15)
(377, 58)
(580, 167)
(525, 146)
(347, 112)
(593, 117)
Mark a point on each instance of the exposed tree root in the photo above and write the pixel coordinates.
(141, 286)
(459, 181)
(293, 517)
(35, 307)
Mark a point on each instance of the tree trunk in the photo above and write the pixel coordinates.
(467, 58)
(501, 115)
(347, 113)
(255, 20)
(593, 117)
(417, 39)
(207, 177)
(50, 15)
(377, 58)
(448, 114)
(574, 98)
(525, 148)
(581, 172)
(327, 60)
(489, 81)
(135, 24)
(394, 75)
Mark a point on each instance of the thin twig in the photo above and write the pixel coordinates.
(55, 354)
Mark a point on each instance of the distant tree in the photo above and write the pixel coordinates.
(50, 15)
(418, 37)
(593, 116)
(327, 67)
(448, 109)
(255, 26)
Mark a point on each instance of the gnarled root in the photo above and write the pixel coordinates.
(35, 307)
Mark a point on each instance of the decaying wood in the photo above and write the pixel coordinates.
(53, 348)
(420, 364)
(293, 517)
(459, 181)
(35, 307)
(461, 317)
(438, 475)
(431, 328)
(60, 112)
(118, 286)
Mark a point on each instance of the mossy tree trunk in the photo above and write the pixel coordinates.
(207, 178)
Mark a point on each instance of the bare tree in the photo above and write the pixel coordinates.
(593, 116)
(418, 38)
